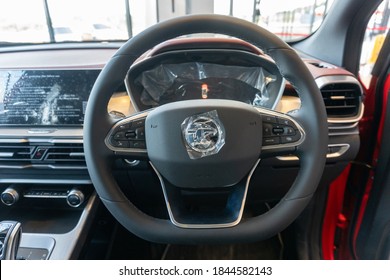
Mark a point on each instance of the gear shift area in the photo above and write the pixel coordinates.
(10, 235)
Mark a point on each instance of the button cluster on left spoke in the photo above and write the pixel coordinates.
(129, 135)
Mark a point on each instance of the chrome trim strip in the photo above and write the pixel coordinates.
(7, 155)
(43, 166)
(8, 253)
(356, 132)
(285, 116)
(44, 196)
(62, 133)
(77, 154)
(137, 116)
(132, 162)
(325, 80)
(344, 126)
(41, 140)
(343, 149)
(45, 181)
(356, 119)
(234, 223)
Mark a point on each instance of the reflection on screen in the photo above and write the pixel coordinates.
(45, 97)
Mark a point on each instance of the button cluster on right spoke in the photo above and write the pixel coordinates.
(278, 130)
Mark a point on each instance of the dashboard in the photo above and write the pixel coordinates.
(44, 92)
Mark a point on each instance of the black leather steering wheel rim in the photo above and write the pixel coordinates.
(311, 116)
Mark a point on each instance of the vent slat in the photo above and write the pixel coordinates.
(342, 100)
(41, 155)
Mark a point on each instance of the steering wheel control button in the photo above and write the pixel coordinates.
(267, 129)
(120, 144)
(290, 139)
(140, 133)
(120, 136)
(286, 122)
(278, 130)
(269, 119)
(271, 141)
(204, 134)
(124, 126)
(138, 123)
(137, 145)
(288, 130)
(131, 134)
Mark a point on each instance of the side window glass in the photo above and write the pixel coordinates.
(374, 37)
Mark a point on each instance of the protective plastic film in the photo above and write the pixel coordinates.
(203, 134)
(195, 80)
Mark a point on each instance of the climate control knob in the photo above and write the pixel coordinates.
(75, 198)
(10, 196)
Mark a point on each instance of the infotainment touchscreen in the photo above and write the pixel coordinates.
(44, 97)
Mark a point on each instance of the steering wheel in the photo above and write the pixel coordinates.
(206, 146)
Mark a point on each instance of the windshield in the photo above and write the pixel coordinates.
(44, 21)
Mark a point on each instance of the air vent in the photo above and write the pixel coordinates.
(53, 156)
(342, 100)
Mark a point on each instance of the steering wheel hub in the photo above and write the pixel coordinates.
(204, 143)
(204, 134)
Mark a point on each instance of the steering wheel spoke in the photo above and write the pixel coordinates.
(127, 137)
(213, 208)
(282, 134)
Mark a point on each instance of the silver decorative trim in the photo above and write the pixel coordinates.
(132, 162)
(356, 119)
(25, 133)
(41, 140)
(9, 254)
(7, 155)
(356, 132)
(12, 192)
(343, 149)
(45, 196)
(45, 181)
(77, 193)
(44, 166)
(343, 126)
(340, 79)
(203, 226)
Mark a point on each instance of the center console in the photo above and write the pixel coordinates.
(44, 182)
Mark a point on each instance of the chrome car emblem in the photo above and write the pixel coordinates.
(203, 134)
